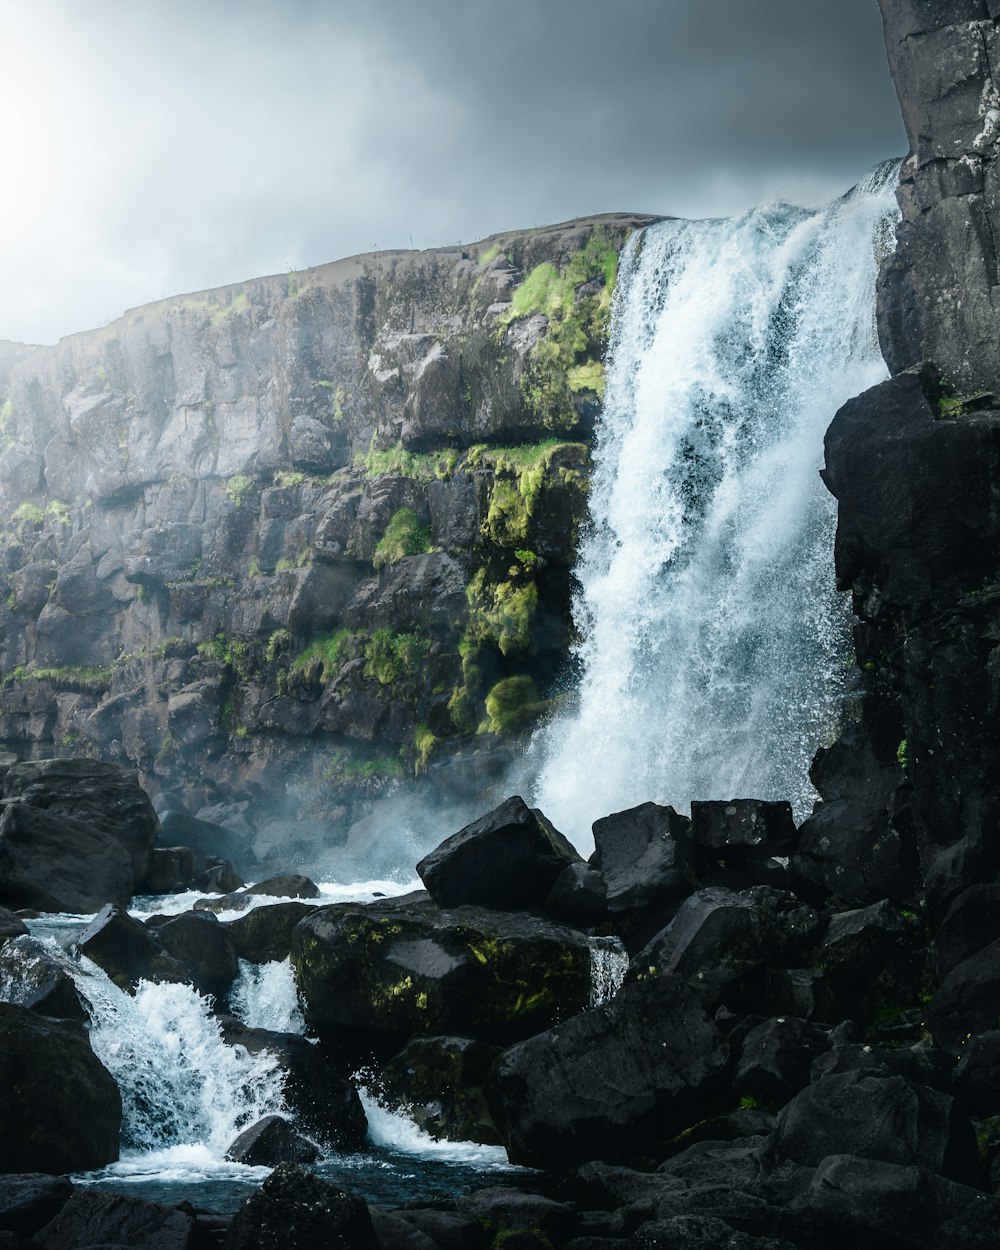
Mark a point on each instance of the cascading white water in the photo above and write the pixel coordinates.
(265, 996)
(713, 642)
(608, 965)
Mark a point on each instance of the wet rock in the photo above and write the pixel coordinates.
(509, 859)
(52, 862)
(323, 1103)
(578, 896)
(451, 1230)
(217, 875)
(775, 1059)
(172, 868)
(29, 1200)
(881, 1118)
(611, 1082)
(269, 1142)
(92, 1219)
(967, 1001)
(977, 1077)
(511, 1210)
(645, 857)
(291, 886)
(919, 1065)
(11, 925)
(61, 1109)
(718, 937)
(127, 950)
(31, 976)
(394, 1231)
(440, 1083)
(971, 922)
(765, 829)
(203, 947)
(265, 934)
(103, 796)
(294, 1210)
(178, 828)
(398, 969)
(699, 1232)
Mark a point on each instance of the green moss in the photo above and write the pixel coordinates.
(238, 304)
(173, 646)
(239, 488)
(587, 377)
(510, 704)
(491, 253)
(29, 513)
(347, 768)
(277, 645)
(302, 558)
(235, 652)
(288, 477)
(392, 657)
(502, 612)
(903, 754)
(396, 461)
(80, 678)
(405, 535)
(325, 656)
(424, 742)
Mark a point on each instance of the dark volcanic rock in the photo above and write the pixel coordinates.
(172, 868)
(269, 1142)
(775, 1059)
(11, 925)
(399, 969)
(508, 859)
(293, 885)
(104, 796)
(294, 1210)
(754, 825)
(202, 946)
(178, 828)
(30, 1200)
(52, 862)
(59, 1105)
(127, 950)
(93, 1219)
(967, 1001)
(971, 922)
(31, 976)
(440, 1082)
(265, 934)
(612, 1081)
(977, 1077)
(878, 1117)
(644, 855)
(579, 896)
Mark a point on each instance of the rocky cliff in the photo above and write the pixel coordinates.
(302, 535)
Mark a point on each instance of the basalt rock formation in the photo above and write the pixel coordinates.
(300, 536)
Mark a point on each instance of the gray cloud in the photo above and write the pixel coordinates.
(157, 148)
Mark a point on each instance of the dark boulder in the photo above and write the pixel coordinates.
(646, 858)
(293, 885)
(294, 1210)
(172, 868)
(265, 934)
(508, 859)
(441, 1082)
(882, 1118)
(967, 1001)
(32, 976)
(94, 1219)
(269, 1142)
(322, 1102)
(866, 1202)
(177, 828)
(450, 1230)
(127, 950)
(396, 968)
(511, 1210)
(578, 897)
(204, 948)
(104, 796)
(743, 826)
(29, 1200)
(775, 1059)
(218, 876)
(977, 1078)
(11, 925)
(611, 1082)
(53, 862)
(971, 922)
(699, 1232)
(394, 1231)
(718, 937)
(59, 1105)
(920, 1064)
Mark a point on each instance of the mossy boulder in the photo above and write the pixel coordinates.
(396, 969)
(59, 1106)
(439, 1082)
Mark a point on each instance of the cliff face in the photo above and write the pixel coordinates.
(315, 527)
(913, 790)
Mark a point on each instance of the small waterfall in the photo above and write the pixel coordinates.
(608, 965)
(265, 996)
(712, 660)
(181, 1085)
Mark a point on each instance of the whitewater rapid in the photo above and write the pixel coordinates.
(713, 646)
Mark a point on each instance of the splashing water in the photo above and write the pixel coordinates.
(265, 996)
(608, 965)
(713, 647)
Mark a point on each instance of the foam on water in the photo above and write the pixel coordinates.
(265, 996)
(394, 1131)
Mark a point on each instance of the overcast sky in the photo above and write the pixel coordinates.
(150, 147)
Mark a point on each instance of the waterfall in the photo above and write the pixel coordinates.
(608, 965)
(713, 645)
(265, 996)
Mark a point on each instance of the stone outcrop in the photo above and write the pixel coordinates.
(298, 538)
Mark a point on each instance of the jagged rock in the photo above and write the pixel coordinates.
(919, 1064)
(508, 859)
(396, 968)
(218, 874)
(294, 1210)
(451, 1230)
(61, 1109)
(127, 950)
(510, 1210)
(32, 977)
(971, 922)
(11, 925)
(394, 1231)
(967, 1001)
(265, 934)
(269, 1142)
(30, 1200)
(55, 863)
(765, 829)
(579, 896)
(172, 868)
(93, 1219)
(609, 1082)
(718, 937)
(775, 1059)
(699, 1232)
(851, 1198)
(323, 1103)
(440, 1082)
(290, 886)
(203, 947)
(881, 1118)
(180, 829)
(103, 796)
(644, 855)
